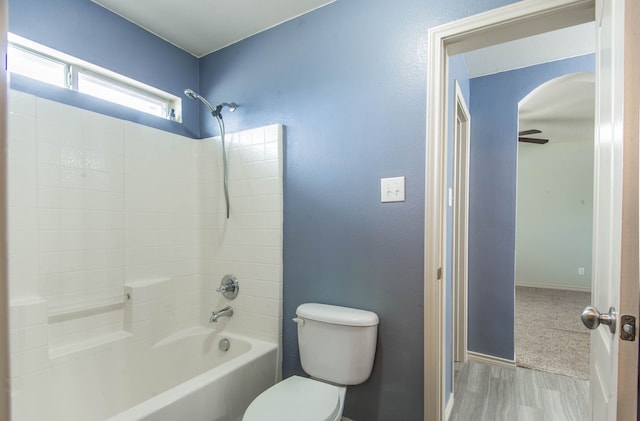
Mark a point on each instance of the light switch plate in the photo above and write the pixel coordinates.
(392, 189)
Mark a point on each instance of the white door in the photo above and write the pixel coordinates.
(609, 201)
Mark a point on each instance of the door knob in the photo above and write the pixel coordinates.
(592, 318)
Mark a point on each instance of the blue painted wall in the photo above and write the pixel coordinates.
(492, 199)
(85, 30)
(349, 83)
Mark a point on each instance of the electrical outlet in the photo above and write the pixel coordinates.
(580, 271)
(392, 189)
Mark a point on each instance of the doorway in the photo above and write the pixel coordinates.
(554, 225)
(494, 218)
(614, 129)
(467, 36)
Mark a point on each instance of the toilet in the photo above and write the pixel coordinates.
(337, 347)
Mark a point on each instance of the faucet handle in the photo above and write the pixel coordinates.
(229, 287)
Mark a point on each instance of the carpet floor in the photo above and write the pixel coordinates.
(549, 335)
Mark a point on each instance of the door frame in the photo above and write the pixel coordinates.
(518, 20)
(630, 235)
(5, 390)
(460, 224)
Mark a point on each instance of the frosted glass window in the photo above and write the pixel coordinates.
(27, 58)
(36, 67)
(98, 87)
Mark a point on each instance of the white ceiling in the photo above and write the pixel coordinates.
(551, 46)
(204, 26)
(569, 97)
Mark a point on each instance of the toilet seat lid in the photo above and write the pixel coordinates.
(294, 399)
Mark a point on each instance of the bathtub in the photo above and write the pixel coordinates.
(200, 382)
(184, 376)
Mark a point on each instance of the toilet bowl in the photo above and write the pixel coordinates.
(298, 398)
(337, 347)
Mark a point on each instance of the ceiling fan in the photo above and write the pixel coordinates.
(522, 137)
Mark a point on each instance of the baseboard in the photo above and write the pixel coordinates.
(560, 287)
(449, 408)
(490, 359)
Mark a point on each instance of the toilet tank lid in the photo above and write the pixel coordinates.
(337, 315)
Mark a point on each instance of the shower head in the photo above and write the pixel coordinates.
(193, 95)
(215, 111)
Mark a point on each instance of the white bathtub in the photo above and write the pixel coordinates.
(183, 377)
(198, 382)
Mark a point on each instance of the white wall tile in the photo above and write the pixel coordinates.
(22, 241)
(22, 195)
(49, 241)
(63, 132)
(48, 219)
(72, 219)
(23, 287)
(22, 265)
(71, 261)
(48, 197)
(21, 103)
(49, 263)
(20, 149)
(22, 126)
(49, 175)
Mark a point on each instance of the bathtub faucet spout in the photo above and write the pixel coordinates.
(225, 312)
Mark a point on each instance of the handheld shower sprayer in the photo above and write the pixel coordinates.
(217, 113)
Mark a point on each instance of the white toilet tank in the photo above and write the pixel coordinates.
(337, 344)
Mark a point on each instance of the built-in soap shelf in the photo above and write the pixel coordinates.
(130, 313)
(87, 308)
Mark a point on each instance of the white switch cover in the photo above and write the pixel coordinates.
(392, 189)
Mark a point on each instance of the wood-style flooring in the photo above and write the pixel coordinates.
(493, 393)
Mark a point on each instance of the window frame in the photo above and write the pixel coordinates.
(171, 105)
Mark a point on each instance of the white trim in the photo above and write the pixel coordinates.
(490, 359)
(558, 287)
(449, 408)
(460, 225)
(517, 20)
(5, 375)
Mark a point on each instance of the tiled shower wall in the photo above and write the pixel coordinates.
(78, 232)
(100, 207)
(249, 243)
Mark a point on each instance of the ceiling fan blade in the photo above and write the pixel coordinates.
(528, 132)
(533, 140)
